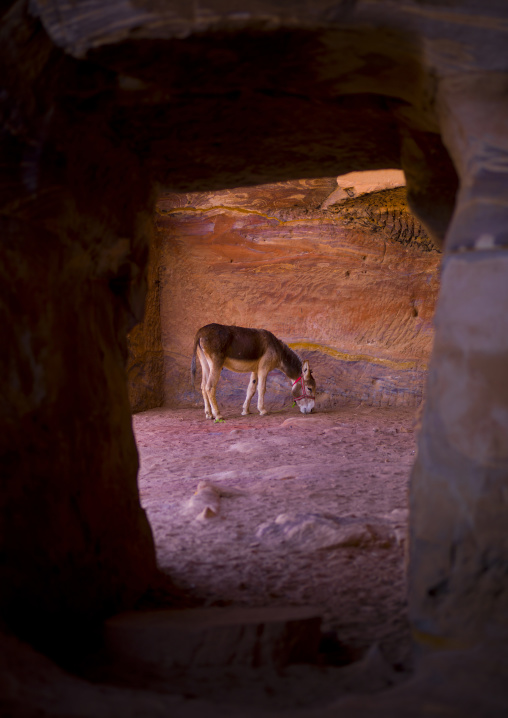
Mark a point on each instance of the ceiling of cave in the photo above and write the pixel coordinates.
(203, 99)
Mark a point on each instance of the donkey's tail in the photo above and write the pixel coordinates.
(193, 362)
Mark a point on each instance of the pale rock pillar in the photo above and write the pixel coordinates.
(458, 574)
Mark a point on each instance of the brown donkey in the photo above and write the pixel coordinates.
(244, 350)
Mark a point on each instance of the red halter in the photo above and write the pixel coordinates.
(304, 389)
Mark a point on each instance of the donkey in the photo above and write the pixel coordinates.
(244, 350)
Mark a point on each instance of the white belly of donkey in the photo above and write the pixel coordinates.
(241, 365)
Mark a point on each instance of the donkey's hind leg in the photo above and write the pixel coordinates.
(211, 385)
(205, 373)
(250, 393)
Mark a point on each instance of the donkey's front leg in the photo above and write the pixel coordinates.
(250, 392)
(261, 393)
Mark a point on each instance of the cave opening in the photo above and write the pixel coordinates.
(284, 509)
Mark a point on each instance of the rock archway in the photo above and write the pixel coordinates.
(104, 104)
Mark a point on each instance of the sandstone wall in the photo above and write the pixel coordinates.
(347, 279)
(145, 362)
(75, 544)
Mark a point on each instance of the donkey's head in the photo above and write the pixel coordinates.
(304, 390)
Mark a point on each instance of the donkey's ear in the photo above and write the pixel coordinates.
(305, 370)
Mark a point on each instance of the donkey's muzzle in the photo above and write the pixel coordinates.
(306, 404)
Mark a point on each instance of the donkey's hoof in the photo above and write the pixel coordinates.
(208, 415)
(263, 412)
(245, 412)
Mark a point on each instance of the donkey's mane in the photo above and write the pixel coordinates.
(291, 362)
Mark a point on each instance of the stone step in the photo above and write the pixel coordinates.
(156, 641)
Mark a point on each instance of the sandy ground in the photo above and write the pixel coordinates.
(287, 509)
(275, 511)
